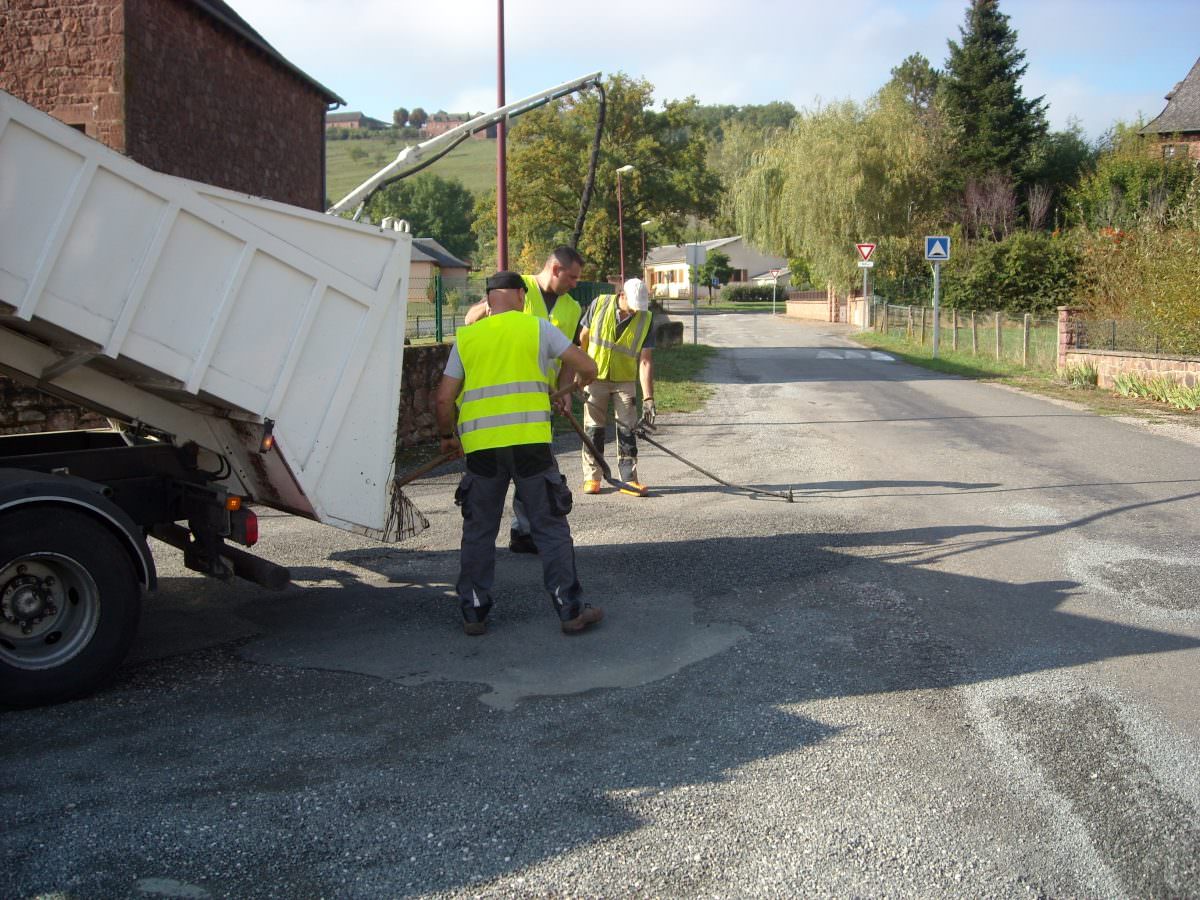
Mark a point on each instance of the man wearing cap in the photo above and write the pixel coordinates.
(497, 378)
(547, 296)
(616, 334)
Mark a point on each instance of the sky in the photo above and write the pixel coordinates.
(1094, 61)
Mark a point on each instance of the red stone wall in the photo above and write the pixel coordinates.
(65, 58)
(1184, 370)
(205, 104)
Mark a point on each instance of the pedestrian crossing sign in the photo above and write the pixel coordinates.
(937, 248)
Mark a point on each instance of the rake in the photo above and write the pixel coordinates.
(782, 495)
(404, 519)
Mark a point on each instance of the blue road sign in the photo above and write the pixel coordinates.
(937, 248)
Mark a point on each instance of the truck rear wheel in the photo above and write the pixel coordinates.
(69, 605)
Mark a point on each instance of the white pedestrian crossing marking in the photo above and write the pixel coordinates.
(855, 354)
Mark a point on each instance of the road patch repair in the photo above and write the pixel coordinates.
(409, 643)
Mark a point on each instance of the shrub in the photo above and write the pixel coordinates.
(1162, 390)
(357, 153)
(1026, 272)
(745, 293)
(1077, 377)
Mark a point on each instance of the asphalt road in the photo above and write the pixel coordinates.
(963, 662)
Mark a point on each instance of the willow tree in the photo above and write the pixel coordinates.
(843, 174)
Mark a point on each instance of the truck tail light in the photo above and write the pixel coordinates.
(243, 527)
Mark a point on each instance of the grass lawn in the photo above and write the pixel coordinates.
(472, 162)
(1039, 381)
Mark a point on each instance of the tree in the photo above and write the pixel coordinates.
(840, 175)
(716, 268)
(548, 156)
(418, 117)
(400, 117)
(996, 127)
(434, 207)
(918, 82)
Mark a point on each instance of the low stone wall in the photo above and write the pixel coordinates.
(1108, 363)
(25, 409)
(816, 310)
(422, 370)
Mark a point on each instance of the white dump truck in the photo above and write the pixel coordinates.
(246, 352)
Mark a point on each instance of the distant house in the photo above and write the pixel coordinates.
(429, 259)
(355, 120)
(441, 122)
(186, 87)
(667, 273)
(1177, 127)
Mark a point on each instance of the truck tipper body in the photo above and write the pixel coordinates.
(248, 353)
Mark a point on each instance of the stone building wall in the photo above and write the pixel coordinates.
(66, 59)
(205, 104)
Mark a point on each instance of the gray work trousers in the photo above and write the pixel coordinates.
(546, 500)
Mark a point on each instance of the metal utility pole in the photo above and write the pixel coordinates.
(501, 160)
(937, 298)
(621, 221)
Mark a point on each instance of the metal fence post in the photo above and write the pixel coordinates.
(922, 325)
(438, 299)
(999, 339)
(974, 336)
(1025, 340)
(954, 327)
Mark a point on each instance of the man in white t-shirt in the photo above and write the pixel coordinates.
(493, 404)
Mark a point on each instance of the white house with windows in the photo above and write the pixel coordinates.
(667, 275)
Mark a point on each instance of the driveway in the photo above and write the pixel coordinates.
(964, 661)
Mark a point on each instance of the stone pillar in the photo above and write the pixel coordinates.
(1066, 333)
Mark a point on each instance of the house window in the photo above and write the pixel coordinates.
(1169, 151)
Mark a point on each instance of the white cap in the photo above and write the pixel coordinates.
(636, 294)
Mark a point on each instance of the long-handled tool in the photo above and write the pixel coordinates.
(783, 495)
(404, 519)
(635, 490)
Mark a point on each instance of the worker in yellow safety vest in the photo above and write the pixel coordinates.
(616, 332)
(493, 404)
(547, 296)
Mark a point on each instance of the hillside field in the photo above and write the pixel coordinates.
(473, 163)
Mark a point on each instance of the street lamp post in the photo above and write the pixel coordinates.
(620, 220)
(643, 226)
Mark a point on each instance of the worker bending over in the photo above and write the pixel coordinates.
(497, 377)
(547, 296)
(616, 333)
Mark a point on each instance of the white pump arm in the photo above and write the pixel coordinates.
(410, 157)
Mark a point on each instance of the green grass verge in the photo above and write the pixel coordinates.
(1038, 381)
(675, 371)
(473, 163)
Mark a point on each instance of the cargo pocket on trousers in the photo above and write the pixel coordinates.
(462, 494)
(558, 494)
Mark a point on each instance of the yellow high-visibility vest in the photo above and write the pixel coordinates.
(505, 397)
(616, 358)
(566, 313)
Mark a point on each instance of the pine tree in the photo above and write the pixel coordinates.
(995, 125)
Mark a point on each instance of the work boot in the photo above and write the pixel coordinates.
(591, 487)
(587, 616)
(521, 543)
(474, 629)
(642, 490)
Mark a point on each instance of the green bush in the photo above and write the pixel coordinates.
(1162, 390)
(744, 293)
(1026, 272)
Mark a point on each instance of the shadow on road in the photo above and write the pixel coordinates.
(399, 779)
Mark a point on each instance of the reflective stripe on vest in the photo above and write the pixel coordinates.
(504, 398)
(616, 358)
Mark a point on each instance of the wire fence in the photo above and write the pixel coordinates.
(1025, 340)
(1129, 337)
(438, 302)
